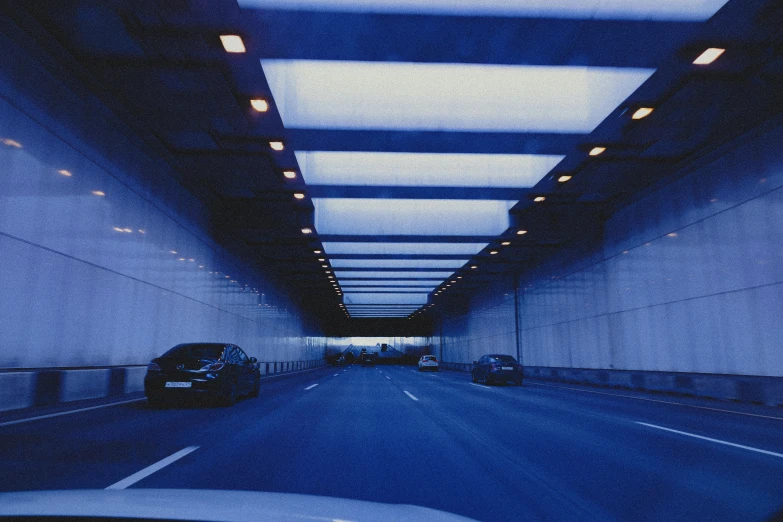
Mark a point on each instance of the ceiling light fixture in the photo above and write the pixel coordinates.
(322, 259)
(259, 105)
(299, 195)
(474, 267)
(289, 174)
(494, 252)
(641, 112)
(521, 232)
(64, 173)
(595, 151)
(307, 230)
(539, 199)
(276, 145)
(563, 179)
(232, 43)
(709, 56)
(506, 243)
(98, 193)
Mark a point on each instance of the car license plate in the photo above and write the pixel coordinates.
(178, 384)
(507, 368)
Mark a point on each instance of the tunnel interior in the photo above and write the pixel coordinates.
(594, 189)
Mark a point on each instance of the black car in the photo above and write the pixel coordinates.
(368, 359)
(497, 368)
(216, 370)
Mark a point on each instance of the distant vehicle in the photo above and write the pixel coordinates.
(216, 370)
(368, 359)
(428, 362)
(497, 368)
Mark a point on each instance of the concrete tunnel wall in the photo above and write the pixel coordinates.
(684, 293)
(90, 279)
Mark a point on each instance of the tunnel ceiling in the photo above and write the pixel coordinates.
(428, 148)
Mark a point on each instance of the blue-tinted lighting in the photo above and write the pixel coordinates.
(385, 299)
(598, 9)
(404, 248)
(366, 216)
(447, 97)
(422, 170)
(398, 263)
(410, 276)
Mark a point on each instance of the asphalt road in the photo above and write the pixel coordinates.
(392, 434)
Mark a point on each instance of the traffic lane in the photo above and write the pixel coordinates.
(631, 471)
(95, 448)
(755, 426)
(360, 436)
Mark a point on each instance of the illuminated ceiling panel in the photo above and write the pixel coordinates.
(597, 9)
(385, 299)
(398, 263)
(409, 276)
(367, 216)
(416, 284)
(322, 94)
(424, 170)
(404, 248)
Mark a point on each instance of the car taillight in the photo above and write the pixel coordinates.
(212, 367)
(153, 367)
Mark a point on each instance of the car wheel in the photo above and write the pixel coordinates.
(256, 388)
(229, 398)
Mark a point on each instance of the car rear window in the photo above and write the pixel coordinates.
(429, 358)
(202, 351)
(504, 358)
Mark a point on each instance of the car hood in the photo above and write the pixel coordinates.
(207, 505)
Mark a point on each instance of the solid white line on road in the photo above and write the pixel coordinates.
(409, 394)
(311, 386)
(749, 448)
(656, 400)
(480, 385)
(149, 470)
(8, 423)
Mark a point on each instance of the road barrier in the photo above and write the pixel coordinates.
(22, 388)
(745, 388)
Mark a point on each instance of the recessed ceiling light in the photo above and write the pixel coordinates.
(539, 199)
(709, 56)
(173, 251)
(316, 251)
(181, 258)
(307, 231)
(64, 173)
(454, 281)
(127, 230)
(563, 179)
(521, 232)
(11, 143)
(325, 266)
(141, 231)
(117, 229)
(289, 174)
(259, 105)
(276, 145)
(232, 43)
(98, 193)
(595, 151)
(322, 259)
(506, 243)
(641, 112)
(494, 252)
(474, 266)
(299, 195)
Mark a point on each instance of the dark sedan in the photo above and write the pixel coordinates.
(497, 368)
(216, 370)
